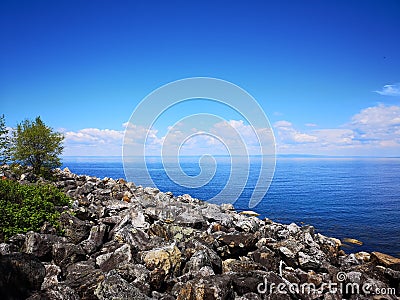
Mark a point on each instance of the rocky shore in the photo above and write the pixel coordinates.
(123, 241)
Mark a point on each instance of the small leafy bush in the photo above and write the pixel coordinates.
(26, 207)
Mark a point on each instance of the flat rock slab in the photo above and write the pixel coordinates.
(386, 260)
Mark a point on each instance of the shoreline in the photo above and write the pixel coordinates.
(129, 241)
(306, 192)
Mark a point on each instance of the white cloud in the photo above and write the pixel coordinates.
(377, 125)
(336, 137)
(286, 133)
(390, 90)
(282, 123)
(93, 142)
(377, 116)
(373, 131)
(88, 135)
(224, 137)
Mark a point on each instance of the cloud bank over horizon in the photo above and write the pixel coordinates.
(374, 131)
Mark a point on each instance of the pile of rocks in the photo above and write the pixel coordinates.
(123, 241)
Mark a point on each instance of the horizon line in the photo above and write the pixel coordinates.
(255, 155)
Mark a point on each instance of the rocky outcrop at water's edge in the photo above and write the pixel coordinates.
(123, 241)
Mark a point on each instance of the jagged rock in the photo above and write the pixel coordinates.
(295, 246)
(180, 234)
(28, 177)
(75, 229)
(65, 254)
(7, 248)
(83, 277)
(236, 244)
(306, 277)
(17, 240)
(288, 256)
(293, 228)
(47, 228)
(161, 296)
(210, 288)
(114, 206)
(253, 282)
(190, 218)
(108, 247)
(363, 256)
(131, 271)
(91, 213)
(151, 191)
(234, 265)
(115, 287)
(207, 257)
(85, 189)
(348, 261)
(213, 213)
(215, 227)
(95, 239)
(20, 275)
(51, 279)
(138, 219)
(111, 220)
(158, 279)
(247, 224)
(267, 258)
(248, 296)
(123, 221)
(198, 260)
(204, 272)
(56, 292)
(167, 258)
(110, 261)
(265, 242)
(138, 239)
(330, 246)
(227, 207)
(157, 229)
(308, 262)
(161, 212)
(40, 245)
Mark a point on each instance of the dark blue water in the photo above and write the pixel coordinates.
(357, 198)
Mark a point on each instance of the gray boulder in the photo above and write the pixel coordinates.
(75, 229)
(115, 287)
(21, 275)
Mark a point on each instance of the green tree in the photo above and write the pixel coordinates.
(4, 140)
(37, 145)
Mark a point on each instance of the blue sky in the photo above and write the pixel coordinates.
(326, 73)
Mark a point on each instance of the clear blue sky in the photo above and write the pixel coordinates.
(87, 64)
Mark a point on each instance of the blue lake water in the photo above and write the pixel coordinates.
(341, 197)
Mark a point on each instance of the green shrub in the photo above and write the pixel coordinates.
(27, 207)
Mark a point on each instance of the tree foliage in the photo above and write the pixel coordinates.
(26, 207)
(4, 140)
(37, 145)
